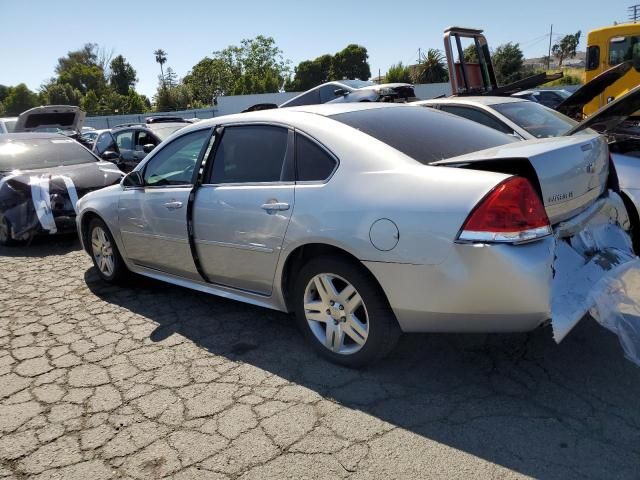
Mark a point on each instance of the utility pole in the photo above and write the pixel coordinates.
(419, 55)
(549, 55)
(634, 13)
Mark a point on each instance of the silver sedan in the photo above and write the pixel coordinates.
(366, 224)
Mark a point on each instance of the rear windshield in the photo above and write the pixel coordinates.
(424, 134)
(163, 131)
(34, 153)
(538, 120)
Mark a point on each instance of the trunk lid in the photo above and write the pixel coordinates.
(571, 172)
(50, 118)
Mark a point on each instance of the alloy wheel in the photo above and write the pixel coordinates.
(102, 251)
(336, 313)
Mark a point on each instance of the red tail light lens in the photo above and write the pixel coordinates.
(512, 213)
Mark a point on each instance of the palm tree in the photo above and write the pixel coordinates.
(431, 68)
(161, 58)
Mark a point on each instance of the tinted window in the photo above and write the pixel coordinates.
(144, 138)
(477, 116)
(124, 140)
(175, 162)
(312, 161)
(105, 142)
(328, 93)
(536, 119)
(309, 98)
(34, 153)
(250, 154)
(424, 134)
(622, 49)
(593, 57)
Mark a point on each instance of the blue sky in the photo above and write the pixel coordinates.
(33, 34)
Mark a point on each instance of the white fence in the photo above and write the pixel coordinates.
(238, 103)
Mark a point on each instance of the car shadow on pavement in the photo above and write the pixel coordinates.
(43, 246)
(517, 400)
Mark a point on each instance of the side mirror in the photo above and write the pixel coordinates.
(148, 147)
(341, 92)
(132, 180)
(110, 155)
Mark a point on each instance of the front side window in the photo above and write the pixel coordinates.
(478, 117)
(251, 154)
(175, 163)
(593, 57)
(622, 49)
(144, 138)
(328, 93)
(105, 142)
(124, 140)
(313, 163)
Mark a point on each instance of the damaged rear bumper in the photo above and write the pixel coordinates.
(513, 288)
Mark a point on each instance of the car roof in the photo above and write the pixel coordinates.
(472, 100)
(30, 135)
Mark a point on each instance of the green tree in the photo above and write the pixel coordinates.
(398, 73)
(90, 102)
(351, 63)
(470, 54)
(19, 99)
(170, 78)
(161, 58)
(4, 92)
(508, 61)
(80, 69)
(60, 94)
(135, 103)
(209, 78)
(310, 73)
(566, 47)
(123, 76)
(432, 68)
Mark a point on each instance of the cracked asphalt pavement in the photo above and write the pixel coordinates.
(154, 381)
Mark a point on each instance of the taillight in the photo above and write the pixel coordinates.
(511, 213)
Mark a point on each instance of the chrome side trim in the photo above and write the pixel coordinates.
(239, 246)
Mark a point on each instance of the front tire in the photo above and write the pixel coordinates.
(104, 252)
(343, 312)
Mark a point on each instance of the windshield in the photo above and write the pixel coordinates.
(166, 130)
(424, 134)
(10, 125)
(538, 120)
(34, 153)
(356, 83)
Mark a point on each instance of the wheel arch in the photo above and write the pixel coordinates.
(85, 220)
(303, 254)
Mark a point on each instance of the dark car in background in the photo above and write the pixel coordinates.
(125, 145)
(548, 97)
(42, 177)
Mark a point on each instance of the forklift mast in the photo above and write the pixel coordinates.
(475, 77)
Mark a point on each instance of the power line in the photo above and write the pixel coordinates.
(634, 13)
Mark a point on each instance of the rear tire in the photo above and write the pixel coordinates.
(343, 312)
(104, 253)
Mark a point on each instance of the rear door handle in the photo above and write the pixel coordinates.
(173, 205)
(275, 207)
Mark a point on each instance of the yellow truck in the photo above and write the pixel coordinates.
(606, 48)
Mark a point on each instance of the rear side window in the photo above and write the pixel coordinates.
(309, 98)
(124, 140)
(251, 154)
(424, 134)
(313, 163)
(593, 57)
(477, 116)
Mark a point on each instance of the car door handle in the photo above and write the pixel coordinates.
(276, 206)
(173, 205)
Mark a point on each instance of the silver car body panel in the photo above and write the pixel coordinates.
(433, 283)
